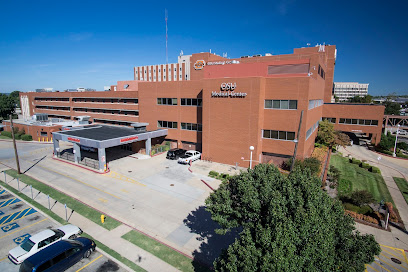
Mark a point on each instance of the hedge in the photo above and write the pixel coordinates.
(26, 137)
(365, 165)
(6, 133)
(374, 170)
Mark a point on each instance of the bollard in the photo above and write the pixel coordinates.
(66, 213)
(102, 218)
(31, 187)
(49, 206)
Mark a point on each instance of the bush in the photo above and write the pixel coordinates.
(26, 137)
(365, 210)
(351, 207)
(365, 165)
(224, 176)
(312, 163)
(362, 197)
(6, 133)
(213, 174)
(355, 161)
(393, 213)
(374, 170)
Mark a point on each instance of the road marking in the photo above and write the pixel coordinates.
(119, 176)
(3, 259)
(10, 227)
(88, 264)
(391, 253)
(102, 200)
(382, 266)
(96, 188)
(21, 239)
(9, 202)
(23, 228)
(16, 216)
(125, 191)
(391, 265)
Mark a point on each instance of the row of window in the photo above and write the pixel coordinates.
(321, 72)
(58, 99)
(312, 129)
(184, 126)
(281, 104)
(106, 100)
(53, 107)
(108, 111)
(361, 122)
(167, 101)
(315, 103)
(184, 101)
(191, 126)
(280, 135)
(154, 70)
(113, 122)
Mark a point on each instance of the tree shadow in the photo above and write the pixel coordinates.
(199, 221)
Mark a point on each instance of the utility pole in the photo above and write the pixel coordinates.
(14, 143)
(296, 142)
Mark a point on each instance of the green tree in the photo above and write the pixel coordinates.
(361, 99)
(7, 106)
(325, 134)
(16, 97)
(287, 223)
(387, 142)
(391, 108)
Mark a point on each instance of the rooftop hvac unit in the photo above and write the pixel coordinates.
(268, 54)
(40, 117)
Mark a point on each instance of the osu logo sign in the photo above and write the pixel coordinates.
(129, 139)
(74, 140)
(199, 64)
(228, 86)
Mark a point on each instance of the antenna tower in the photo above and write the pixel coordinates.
(167, 54)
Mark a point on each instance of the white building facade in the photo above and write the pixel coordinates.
(345, 90)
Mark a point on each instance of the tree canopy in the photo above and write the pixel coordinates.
(7, 106)
(287, 223)
(361, 99)
(392, 108)
(326, 135)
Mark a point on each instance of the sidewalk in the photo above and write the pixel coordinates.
(111, 239)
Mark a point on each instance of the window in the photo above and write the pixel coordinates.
(44, 266)
(167, 124)
(278, 135)
(281, 104)
(315, 103)
(167, 101)
(58, 258)
(331, 120)
(361, 122)
(191, 102)
(191, 126)
(312, 129)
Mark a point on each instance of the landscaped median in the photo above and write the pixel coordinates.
(163, 252)
(78, 207)
(51, 214)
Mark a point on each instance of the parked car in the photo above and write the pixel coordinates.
(190, 156)
(402, 132)
(174, 154)
(59, 256)
(42, 240)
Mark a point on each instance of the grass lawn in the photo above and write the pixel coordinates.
(163, 252)
(77, 206)
(353, 178)
(5, 137)
(402, 186)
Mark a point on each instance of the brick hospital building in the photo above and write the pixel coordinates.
(223, 106)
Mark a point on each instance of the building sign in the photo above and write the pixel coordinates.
(199, 64)
(227, 89)
(74, 139)
(129, 139)
(223, 62)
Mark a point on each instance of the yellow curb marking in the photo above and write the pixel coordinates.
(372, 267)
(88, 264)
(119, 176)
(102, 200)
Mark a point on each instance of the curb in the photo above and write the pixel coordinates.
(208, 185)
(25, 142)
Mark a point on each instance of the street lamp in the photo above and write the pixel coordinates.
(250, 158)
(396, 139)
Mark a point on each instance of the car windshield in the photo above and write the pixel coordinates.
(27, 245)
(58, 232)
(188, 155)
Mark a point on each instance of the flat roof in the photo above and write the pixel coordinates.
(102, 132)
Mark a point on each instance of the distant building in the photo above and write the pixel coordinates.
(43, 90)
(346, 90)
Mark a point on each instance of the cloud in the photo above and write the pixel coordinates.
(77, 37)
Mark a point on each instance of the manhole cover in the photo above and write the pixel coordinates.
(172, 184)
(129, 171)
(396, 260)
(167, 167)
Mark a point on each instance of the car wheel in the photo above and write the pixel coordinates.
(72, 236)
(87, 253)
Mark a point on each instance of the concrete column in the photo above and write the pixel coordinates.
(101, 159)
(77, 153)
(148, 146)
(56, 147)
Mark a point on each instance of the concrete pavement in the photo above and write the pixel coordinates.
(112, 238)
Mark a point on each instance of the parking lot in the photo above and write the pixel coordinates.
(19, 221)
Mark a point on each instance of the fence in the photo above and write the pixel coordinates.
(85, 161)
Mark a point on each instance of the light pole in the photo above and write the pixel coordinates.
(396, 139)
(251, 148)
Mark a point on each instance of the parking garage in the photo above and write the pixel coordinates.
(101, 137)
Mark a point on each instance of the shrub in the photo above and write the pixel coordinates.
(224, 176)
(7, 134)
(312, 163)
(351, 207)
(213, 174)
(26, 137)
(167, 143)
(365, 210)
(374, 170)
(365, 165)
(355, 161)
(393, 213)
(334, 173)
(362, 217)
(362, 197)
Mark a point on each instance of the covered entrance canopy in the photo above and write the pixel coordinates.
(102, 137)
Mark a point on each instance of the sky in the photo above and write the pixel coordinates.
(92, 44)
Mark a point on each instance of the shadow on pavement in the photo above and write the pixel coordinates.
(199, 221)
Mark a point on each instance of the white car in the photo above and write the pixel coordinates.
(42, 240)
(189, 156)
(402, 132)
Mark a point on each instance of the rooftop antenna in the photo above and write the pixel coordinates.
(167, 54)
